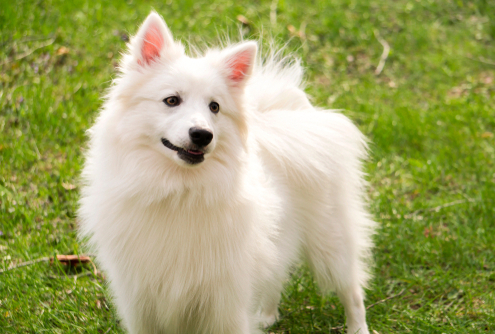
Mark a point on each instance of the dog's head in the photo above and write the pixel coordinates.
(186, 109)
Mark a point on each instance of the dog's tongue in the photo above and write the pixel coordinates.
(194, 152)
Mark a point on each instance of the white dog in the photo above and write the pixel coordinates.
(206, 178)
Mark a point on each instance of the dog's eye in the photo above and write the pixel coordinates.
(172, 101)
(214, 107)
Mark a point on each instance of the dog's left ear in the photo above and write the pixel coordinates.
(152, 41)
(238, 62)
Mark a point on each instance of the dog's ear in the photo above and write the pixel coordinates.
(152, 41)
(238, 63)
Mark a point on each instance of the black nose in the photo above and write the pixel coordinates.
(200, 137)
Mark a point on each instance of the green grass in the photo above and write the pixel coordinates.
(429, 115)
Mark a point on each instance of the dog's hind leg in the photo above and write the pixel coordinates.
(352, 299)
(336, 238)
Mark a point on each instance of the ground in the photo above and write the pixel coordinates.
(428, 111)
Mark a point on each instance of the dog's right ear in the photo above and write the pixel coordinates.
(153, 41)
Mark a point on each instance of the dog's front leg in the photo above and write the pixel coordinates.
(233, 322)
(230, 311)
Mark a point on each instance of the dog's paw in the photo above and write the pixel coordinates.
(358, 330)
(269, 319)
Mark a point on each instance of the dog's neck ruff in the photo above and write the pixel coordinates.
(214, 180)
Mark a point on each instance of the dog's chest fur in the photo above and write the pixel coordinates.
(180, 253)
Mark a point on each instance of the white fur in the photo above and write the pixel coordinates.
(206, 248)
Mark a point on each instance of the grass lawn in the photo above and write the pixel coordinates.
(429, 115)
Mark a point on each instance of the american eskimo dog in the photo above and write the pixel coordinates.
(207, 177)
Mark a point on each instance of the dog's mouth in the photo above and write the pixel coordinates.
(190, 156)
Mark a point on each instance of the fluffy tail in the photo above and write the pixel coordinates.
(276, 83)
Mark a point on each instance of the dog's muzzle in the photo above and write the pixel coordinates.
(191, 156)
